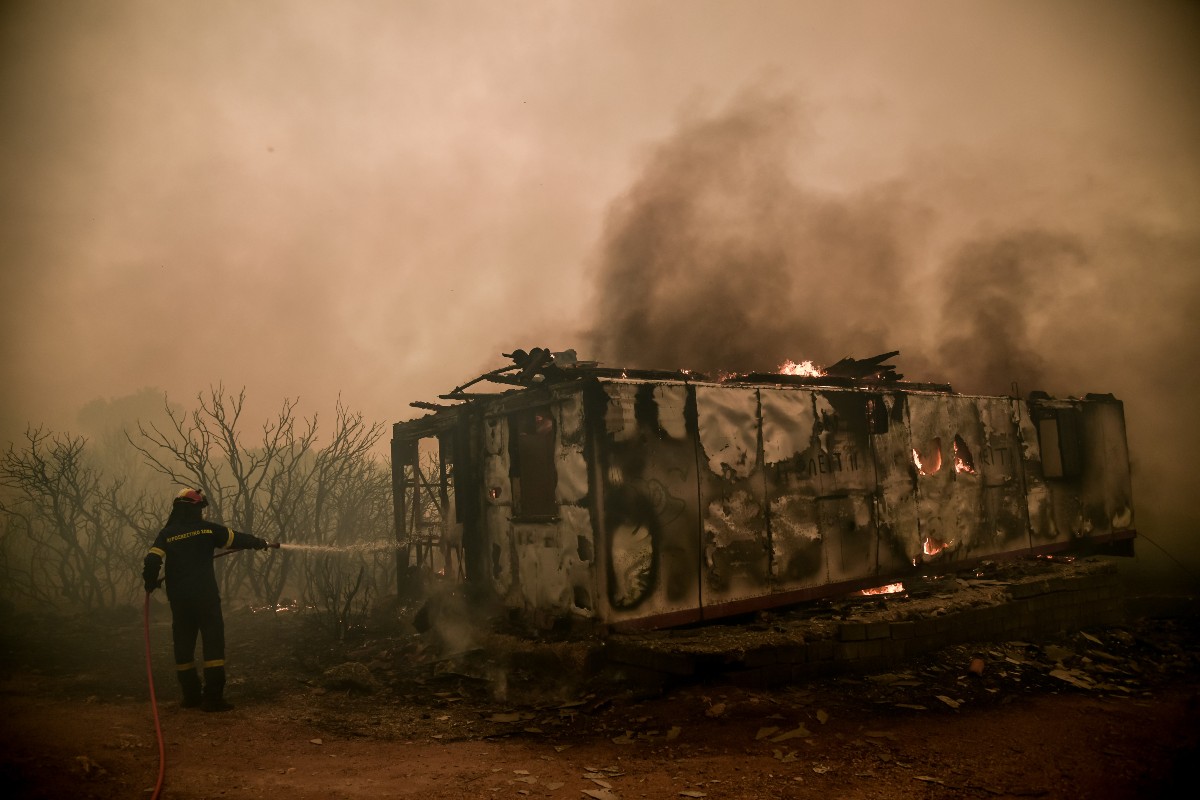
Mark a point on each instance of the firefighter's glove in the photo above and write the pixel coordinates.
(150, 575)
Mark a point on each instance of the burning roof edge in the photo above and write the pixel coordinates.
(541, 367)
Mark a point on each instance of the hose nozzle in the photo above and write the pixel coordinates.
(273, 544)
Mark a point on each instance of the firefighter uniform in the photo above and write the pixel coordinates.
(186, 545)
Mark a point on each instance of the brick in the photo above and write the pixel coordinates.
(858, 651)
(1023, 590)
(879, 630)
(656, 660)
(774, 654)
(969, 620)
(852, 632)
(820, 650)
(760, 656)
(925, 627)
(923, 644)
(895, 649)
(762, 677)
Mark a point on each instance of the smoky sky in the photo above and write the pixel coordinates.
(375, 199)
(721, 257)
(718, 260)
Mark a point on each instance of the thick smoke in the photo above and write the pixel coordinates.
(721, 258)
(718, 260)
(994, 291)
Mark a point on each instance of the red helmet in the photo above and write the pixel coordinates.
(193, 497)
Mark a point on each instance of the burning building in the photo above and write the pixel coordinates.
(645, 499)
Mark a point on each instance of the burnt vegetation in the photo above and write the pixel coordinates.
(75, 522)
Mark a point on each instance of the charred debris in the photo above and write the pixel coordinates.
(540, 366)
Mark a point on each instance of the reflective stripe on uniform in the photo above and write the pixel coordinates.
(220, 662)
(185, 667)
(157, 551)
(229, 543)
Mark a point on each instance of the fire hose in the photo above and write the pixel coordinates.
(162, 755)
(162, 750)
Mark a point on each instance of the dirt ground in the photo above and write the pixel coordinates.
(1095, 714)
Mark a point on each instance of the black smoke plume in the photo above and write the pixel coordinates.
(995, 291)
(718, 260)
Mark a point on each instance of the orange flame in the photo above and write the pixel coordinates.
(890, 588)
(931, 463)
(805, 368)
(932, 546)
(962, 457)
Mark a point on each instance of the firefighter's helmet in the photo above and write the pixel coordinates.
(193, 497)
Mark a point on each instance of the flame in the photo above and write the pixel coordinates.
(806, 369)
(932, 546)
(891, 588)
(962, 457)
(932, 464)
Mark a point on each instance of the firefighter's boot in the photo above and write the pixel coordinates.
(214, 690)
(189, 681)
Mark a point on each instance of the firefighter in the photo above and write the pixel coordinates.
(187, 543)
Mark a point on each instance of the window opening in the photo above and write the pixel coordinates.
(531, 457)
(1059, 438)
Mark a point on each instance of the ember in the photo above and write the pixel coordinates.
(1065, 559)
(891, 588)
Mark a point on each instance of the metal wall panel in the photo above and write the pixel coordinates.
(499, 544)
(649, 555)
(1078, 485)
(793, 460)
(820, 486)
(969, 494)
(1039, 506)
(542, 564)
(896, 482)
(1107, 496)
(996, 457)
(737, 554)
(948, 503)
(1055, 497)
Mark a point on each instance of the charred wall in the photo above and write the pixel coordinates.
(650, 503)
(719, 499)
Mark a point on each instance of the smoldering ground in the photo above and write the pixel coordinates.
(722, 257)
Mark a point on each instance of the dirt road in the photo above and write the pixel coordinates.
(78, 724)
